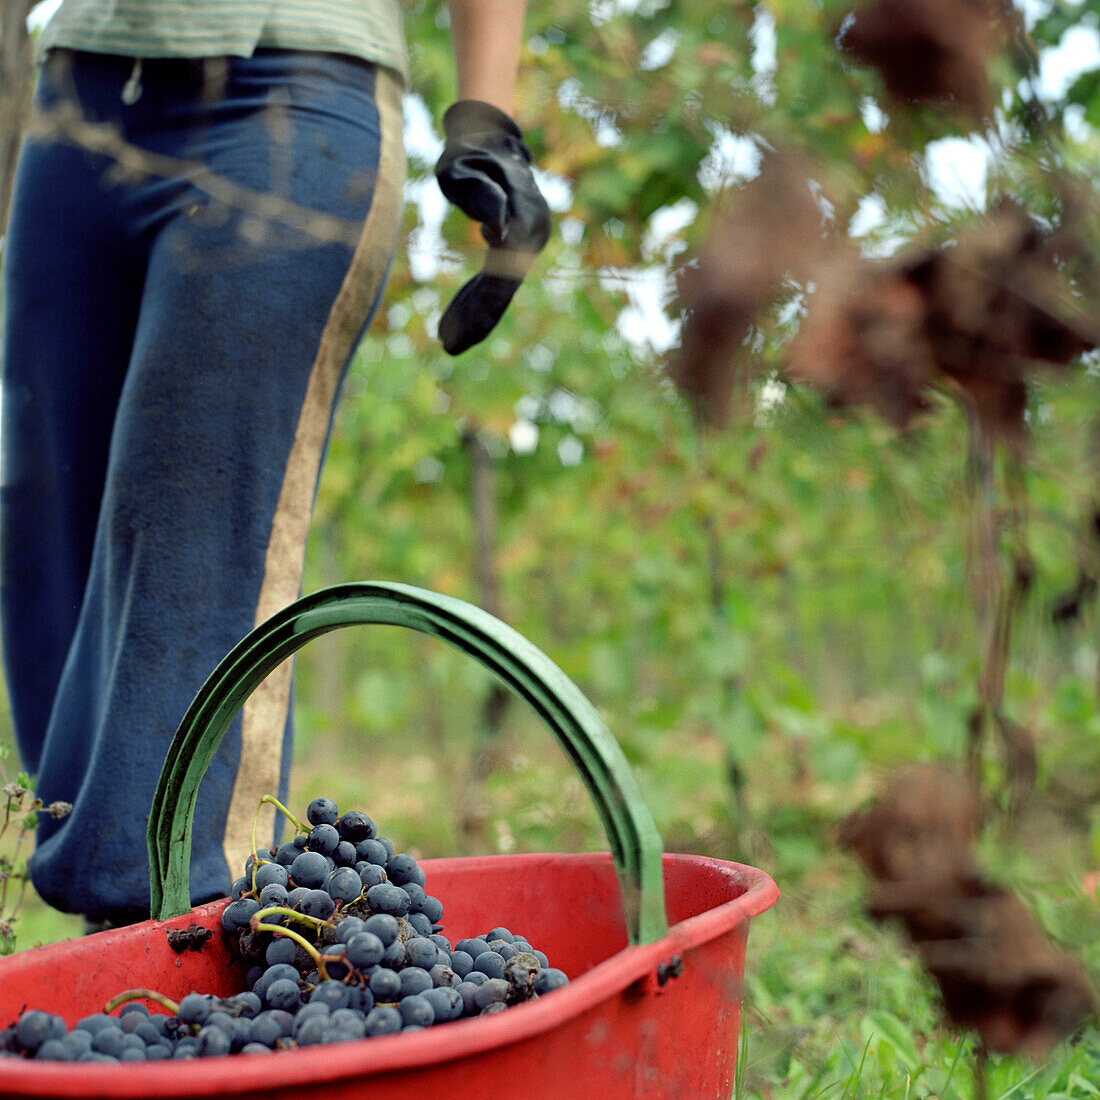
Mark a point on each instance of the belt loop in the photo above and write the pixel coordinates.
(131, 90)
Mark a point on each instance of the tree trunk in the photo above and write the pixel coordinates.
(483, 506)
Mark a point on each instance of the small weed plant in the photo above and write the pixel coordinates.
(20, 819)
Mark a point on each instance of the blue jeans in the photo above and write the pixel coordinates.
(172, 360)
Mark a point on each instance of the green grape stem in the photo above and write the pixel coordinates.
(270, 800)
(286, 911)
(142, 995)
(257, 924)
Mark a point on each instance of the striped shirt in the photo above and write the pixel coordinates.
(369, 29)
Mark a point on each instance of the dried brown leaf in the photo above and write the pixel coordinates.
(862, 342)
(996, 309)
(931, 51)
(922, 828)
(759, 234)
(973, 317)
(998, 973)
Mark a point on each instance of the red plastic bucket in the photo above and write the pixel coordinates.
(614, 1028)
(652, 1009)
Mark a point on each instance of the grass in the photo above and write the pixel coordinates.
(837, 1007)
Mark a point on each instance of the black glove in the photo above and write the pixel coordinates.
(485, 170)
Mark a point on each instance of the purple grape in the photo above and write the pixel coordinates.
(194, 1008)
(417, 1010)
(273, 974)
(466, 991)
(336, 965)
(35, 1027)
(110, 1041)
(419, 923)
(364, 950)
(388, 899)
(383, 1020)
(317, 903)
(422, 952)
(271, 873)
(274, 894)
(549, 979)
(312, 1032)
(310, 870)
(281, 950)
(402, 868)
(489, 962)
(284, 994)
(356, 826)
(446, 1002)
(265, 1029)
(288, 852)
(473, 947)
(416, 894)
(372, 851)
(237, 914)
(348, 928)
(370, 874)
(384, 926)
(323, 839)
(331, 993)
(344, 885)
(395, 957)
(495, 990)
(243, 1004)
(322, 811)
(350, 1022)
(414, 979)
(461, 963)
(344, 854)
(148, 1033)
(385, 984)
(443, 976)
(54, 1050)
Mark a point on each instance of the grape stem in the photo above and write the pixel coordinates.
(142, 995)
(269, 800)
(286, 911)
(257, 924)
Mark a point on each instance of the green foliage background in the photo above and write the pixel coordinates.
(770, 618)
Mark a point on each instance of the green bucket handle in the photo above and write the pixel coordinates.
(634, 841)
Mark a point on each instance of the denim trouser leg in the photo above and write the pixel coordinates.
(168, 388)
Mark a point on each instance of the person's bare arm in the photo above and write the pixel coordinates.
(487, 37)
(485, 169)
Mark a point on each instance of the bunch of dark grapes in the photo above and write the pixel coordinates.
(345, 943)
(202, 1025)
